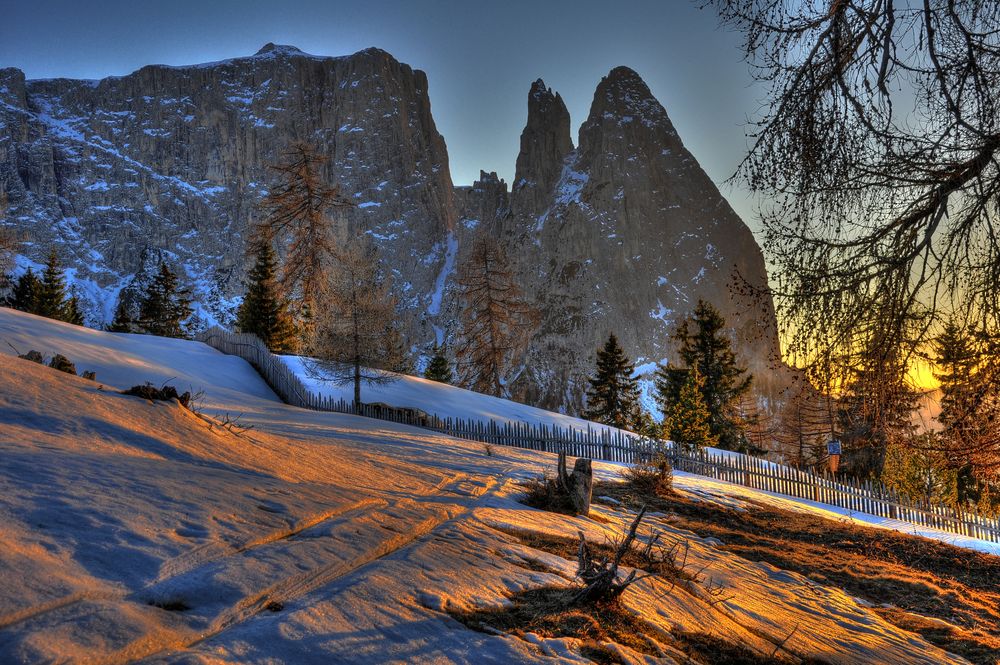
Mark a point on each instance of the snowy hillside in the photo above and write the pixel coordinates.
(432, 397)
(136, 530)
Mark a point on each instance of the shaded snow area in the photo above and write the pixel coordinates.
(140, 531)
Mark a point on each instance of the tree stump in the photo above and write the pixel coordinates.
(578, 485)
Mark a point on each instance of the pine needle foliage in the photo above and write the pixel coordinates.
(72, 313)
(439, 369)
(165, 306)
(264, 312)
(25, 291)
(123, 321)
(705, 346)
(613, 395)
(50, 298)
(687, 419)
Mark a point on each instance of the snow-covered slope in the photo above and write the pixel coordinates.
(136, 530)
(432, 397)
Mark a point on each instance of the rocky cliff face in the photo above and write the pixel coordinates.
(172, 161)
(622, 233)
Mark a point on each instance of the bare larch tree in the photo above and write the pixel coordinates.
(297, 214)
(496, 321)
(8, 242)
(355, 336)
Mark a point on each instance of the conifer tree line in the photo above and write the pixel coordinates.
(699, 398)
(46, 294)
(163, 308)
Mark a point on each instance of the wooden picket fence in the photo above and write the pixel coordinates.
(614, 445)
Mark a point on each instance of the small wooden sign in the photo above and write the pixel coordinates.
(833, 450)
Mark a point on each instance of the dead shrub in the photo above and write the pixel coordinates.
(650, 478)
(33, 356)
(163, 393)
(63, 364)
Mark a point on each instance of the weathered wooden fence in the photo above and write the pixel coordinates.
(619, 446)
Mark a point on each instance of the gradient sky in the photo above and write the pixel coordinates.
(480, 58)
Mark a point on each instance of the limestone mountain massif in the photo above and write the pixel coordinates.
(623, 231)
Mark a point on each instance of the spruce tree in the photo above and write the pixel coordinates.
(50, 298)
(439, 369)
(165, 306)
(123, 321)
(71, 311)
(263, 311)
(613, 396)
(703, 345)
(874, 409)
(25, 291)
(687, 419)
(957, 360)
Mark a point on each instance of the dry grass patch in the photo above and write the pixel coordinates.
(544, 494)
(918, 575)
(650, 479)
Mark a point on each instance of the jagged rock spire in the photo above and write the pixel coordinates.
(545, 142)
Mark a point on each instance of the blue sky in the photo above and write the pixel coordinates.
(480, 58)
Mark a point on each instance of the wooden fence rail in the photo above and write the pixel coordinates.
(619, 446)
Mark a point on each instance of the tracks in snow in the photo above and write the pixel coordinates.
(221, 585)
(394, 518)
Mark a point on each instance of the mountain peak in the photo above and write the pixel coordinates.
(279, 49)
(621, 98)
(625, 74)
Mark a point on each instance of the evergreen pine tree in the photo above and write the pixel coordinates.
(955, 363)
(687, 419)
(263, 311)
(704, 346)
(613, 396)
(439, 369)
(25, 291)
(956, 360)
(71, 311)
(165, 306)
(50, 298)
(123, 321)
(874, 409)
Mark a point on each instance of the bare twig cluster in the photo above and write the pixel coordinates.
(599, 574)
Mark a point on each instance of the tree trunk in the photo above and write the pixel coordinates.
(357, 384)
(579, 485)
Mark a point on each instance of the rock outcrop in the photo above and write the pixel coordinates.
(624, 232)
(545, 141)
